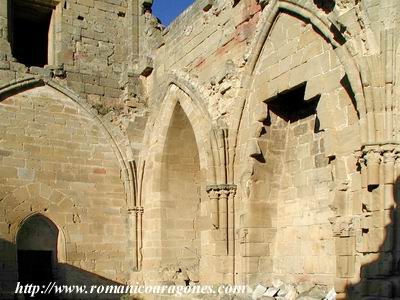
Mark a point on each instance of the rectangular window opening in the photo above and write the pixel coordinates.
(30, 31)
(291, 106)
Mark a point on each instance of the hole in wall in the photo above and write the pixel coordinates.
(30, 25)
(372, 187)
(290, 105)
(317, 125)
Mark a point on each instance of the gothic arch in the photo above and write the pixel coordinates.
(326, 28)
(208, 135)
(251, 186)
(61, 247)
(38, 198)
(180, 100)
(116, 139)
(323, 25)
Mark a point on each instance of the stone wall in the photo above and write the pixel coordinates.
(311, 198)
(296, 184)
(57, 161)
(299, 182)
(89, 45)
(180, 233)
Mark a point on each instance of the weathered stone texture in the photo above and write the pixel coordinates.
(57, 161)
(194, 166)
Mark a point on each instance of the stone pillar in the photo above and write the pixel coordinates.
(231, 222)
(368, 239)
(373, 160)
(136, 215)
(214, 207)
(222, 216)
(388, 177)
(221, 207)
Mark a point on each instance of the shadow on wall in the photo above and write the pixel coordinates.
(62, 274)
(326, 5)
(380, 279)
(33, 260)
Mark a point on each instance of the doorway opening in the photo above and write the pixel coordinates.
(37, 251)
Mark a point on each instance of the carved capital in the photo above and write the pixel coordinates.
(221, 189)
(136, 210)
(373, 157)
(219, 196)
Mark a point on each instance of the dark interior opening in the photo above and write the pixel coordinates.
(30, 22)
(35, 267)
(291, 106)
(37, 241)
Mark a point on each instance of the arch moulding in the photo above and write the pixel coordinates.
(116, 140)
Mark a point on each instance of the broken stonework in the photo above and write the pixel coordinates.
(249, 142)
(301, 291)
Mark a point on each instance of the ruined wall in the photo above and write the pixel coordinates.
(208, 42)
(58, 161)
(298, 183)
(299, 151)
(89, 45)
(310, 199)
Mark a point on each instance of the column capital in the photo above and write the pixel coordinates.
(136, 210)
(221, 188)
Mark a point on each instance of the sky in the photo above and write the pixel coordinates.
(168, 10)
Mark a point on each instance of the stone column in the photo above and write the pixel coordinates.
(375, 227)
(136, 216)
(373, 160)
(231, 221)
(221, 206)
(214, 207)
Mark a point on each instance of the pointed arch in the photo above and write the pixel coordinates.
(36, 198)
(117, 141)
(60, 242)
(326, 27)
(172, 186)
(180, 88)
(252, 188)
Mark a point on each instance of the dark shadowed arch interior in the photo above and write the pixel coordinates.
(37, 250)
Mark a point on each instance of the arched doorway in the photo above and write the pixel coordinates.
(37, 251)
(181, 199)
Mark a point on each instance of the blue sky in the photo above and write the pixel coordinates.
(168, 10)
